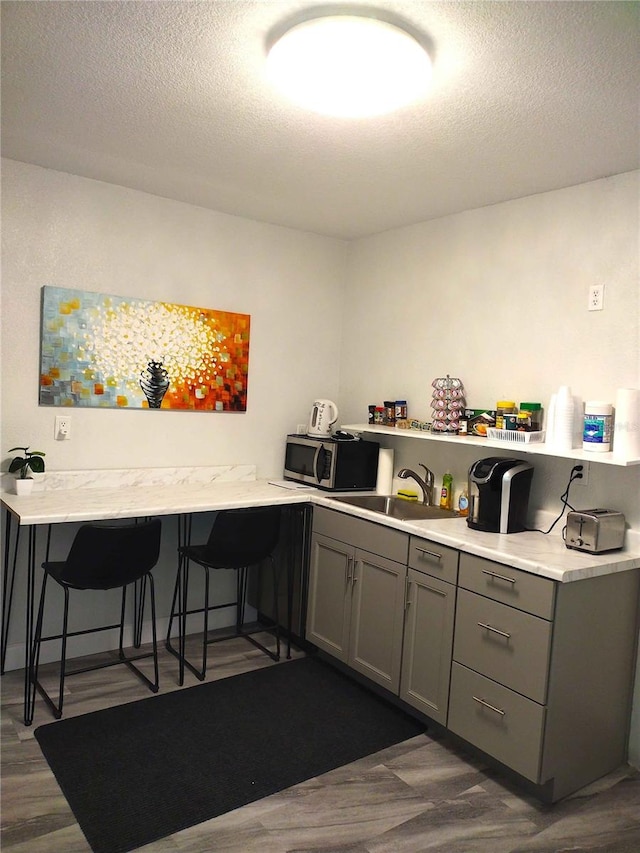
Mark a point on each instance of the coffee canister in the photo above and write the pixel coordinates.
(598, 423)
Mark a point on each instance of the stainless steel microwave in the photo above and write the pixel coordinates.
(332, 465)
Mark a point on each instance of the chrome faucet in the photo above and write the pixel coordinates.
(426, 485)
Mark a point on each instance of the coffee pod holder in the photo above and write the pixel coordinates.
(447, 402)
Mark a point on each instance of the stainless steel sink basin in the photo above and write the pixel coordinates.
(396, 507)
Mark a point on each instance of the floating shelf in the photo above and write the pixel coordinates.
(475, 441)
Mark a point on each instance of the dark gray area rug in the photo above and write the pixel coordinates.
(144, 770)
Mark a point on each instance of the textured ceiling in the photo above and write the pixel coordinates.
(171, 98)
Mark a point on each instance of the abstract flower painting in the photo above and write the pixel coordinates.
(118, 352)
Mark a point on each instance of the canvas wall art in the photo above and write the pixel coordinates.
(118, 352)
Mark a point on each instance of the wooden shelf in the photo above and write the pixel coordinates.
(475, 441)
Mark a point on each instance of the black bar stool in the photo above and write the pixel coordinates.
(101, 557)
(239, 540)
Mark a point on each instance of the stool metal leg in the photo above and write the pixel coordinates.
(153, 685)
(179, 601)
(35, 665)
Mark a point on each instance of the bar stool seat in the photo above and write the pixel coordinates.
(239, 540)
(102, 557)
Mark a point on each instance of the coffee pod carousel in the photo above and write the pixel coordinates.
(447, 402)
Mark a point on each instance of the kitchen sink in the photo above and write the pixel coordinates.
(396, 507)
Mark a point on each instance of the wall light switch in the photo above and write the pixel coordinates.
(63, 428)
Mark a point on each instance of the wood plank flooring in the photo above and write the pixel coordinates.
(421, 795)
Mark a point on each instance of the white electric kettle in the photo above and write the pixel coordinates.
(324, 413)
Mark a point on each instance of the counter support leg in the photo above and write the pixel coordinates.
(29, 686)
(8, 580)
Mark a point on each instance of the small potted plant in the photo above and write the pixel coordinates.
(31, 460)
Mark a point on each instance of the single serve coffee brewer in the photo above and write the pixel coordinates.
(499, 494)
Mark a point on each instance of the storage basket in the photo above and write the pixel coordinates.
(512, 436)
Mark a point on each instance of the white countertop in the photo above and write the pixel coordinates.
(94, 504)
(533, 552)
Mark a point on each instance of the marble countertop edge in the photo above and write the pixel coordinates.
(530, 551)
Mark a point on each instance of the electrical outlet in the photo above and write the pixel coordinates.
(63, 428)
(596, 297)
(301, 429)
(584, 480)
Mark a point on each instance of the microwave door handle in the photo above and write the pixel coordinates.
(316, 460)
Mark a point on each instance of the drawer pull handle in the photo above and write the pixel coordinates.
(429, 553)
(494, 630)
(498, 577)
(487, 705)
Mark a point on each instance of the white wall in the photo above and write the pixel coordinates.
(67, 231)
(498, 297)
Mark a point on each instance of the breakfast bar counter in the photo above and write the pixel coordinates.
(61, 506)
(72, 497)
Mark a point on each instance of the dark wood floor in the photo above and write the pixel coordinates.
(421, 795)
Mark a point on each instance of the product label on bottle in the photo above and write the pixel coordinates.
(597, 429)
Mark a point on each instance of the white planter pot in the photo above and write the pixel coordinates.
(24, 487)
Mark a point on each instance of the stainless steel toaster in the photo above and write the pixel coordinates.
(595, 530)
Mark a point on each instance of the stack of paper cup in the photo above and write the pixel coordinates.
(564, 420)
(550, 420)
(626, 426)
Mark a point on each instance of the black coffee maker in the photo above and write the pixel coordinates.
(499, 494)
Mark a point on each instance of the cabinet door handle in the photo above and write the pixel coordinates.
(487, 705)
(494, 630)
(355, 566)
(498, 577)
(349, 570)
(407, 590)
(429, 553)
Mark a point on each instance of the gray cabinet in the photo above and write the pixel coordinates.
(543, 671)
(355, 610)
(535, 673)
(429, 622)
(329, 602)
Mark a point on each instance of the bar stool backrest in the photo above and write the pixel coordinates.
(243, 537)
(105, 556)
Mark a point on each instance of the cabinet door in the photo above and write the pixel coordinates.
(329, 605)
(428, 641)
(377, 618)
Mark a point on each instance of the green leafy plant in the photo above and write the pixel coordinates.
(31, 459)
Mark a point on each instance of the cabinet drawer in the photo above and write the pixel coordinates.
(507, 645)
(497, 720)
(433, 559)
(511, 586)
(367, 535)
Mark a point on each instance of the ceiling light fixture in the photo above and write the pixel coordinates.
(348, 65)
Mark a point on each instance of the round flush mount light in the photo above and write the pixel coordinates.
(348, 65)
